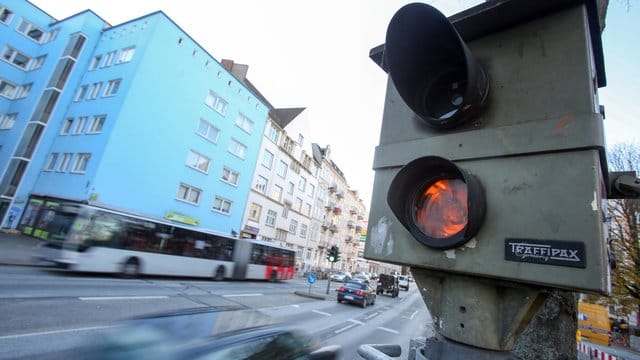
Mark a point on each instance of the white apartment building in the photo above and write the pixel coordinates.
(344, 213)
(281, 201)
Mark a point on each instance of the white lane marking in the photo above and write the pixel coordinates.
(356, 321)
(372, 315)
(241, 295)
(91, 298)
(388, 330)
(321, 313)
(412, 315)
(7, 337)
(344, 328)
(295, 305)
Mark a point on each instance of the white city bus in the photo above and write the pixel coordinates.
(90, 239)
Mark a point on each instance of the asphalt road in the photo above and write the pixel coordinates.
(48, 310)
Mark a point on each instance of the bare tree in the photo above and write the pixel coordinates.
(624, 238)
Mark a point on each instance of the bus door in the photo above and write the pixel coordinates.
(242, 257)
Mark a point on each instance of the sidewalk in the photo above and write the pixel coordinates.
(16, 249)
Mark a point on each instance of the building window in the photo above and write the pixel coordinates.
(216, 103)
(281, 235)
(267, 159)
(292, 186)
(23, 91)
(300, 139)
(274, 134)
(79, 126)
(230, 176)
(285, 210)
(95, 62)
(254, 212)
(208, 131)
(293, 227)
(7, 121)
(97, 123)
(7, 89)
(307, 209)
(82, 91)
(63, 166)
(303, 231)
(108, 59)
(112, 87)
(5, 15)
(276, 193)
(66, 127)
(312, 189)
(261, 184)
(80, 165)
(95, 90)
(295, 166)
(244, 123)
(126, 55)
(198, 161)
(30, 30)
(222, 205)
(237, 149)
(297, 206)
(302, 184)
(36, 63)
(271, 218)
(282, 169)
(15, 57)
(51, 162)
(188, 194)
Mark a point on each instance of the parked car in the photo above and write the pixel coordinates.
(203, 333)
(341, 276)
(403, 282)
(388, 284)
(360, 293)
(360, 278)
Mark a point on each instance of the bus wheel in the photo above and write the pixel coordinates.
(274, 276)
(219, 276)
(130, 269)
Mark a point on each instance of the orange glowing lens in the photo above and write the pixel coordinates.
(442, 208)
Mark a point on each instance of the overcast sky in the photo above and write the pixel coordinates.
(314, 54)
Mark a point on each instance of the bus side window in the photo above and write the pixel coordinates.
(257, 255)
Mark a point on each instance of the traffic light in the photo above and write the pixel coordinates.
(491, 171)
(333, 255)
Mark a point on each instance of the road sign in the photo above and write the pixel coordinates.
(311, 278)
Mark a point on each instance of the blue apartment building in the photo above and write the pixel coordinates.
(135, 117)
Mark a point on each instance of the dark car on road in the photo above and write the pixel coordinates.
(203, 333)
(356, 292)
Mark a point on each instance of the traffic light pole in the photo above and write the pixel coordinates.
(486, 315)
(329, 280)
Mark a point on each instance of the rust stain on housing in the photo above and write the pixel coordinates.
(563, 122)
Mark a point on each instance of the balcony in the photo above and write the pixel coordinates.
(337, 210)
(353, 210)
(333, 228)
(348, 239)
(333, 188)
(323, 245)
(351, 224)
(358, 229)
(340, 195)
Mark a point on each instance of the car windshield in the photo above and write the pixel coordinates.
(355, 285)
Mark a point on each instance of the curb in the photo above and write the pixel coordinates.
(311, 295)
